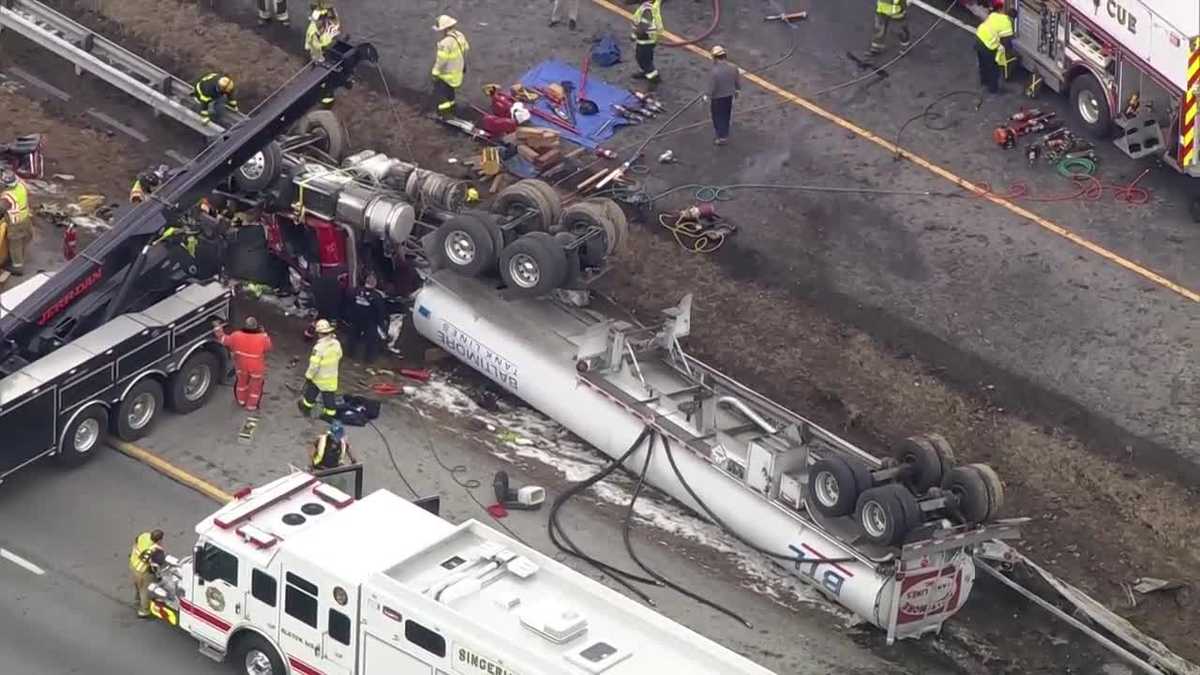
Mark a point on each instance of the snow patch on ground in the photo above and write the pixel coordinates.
(518, 432)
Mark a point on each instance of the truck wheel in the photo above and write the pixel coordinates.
(924, 462)
(81, 438)
(533, 265)
(1090, 106)
(523, 196)
(969, 487)
(190, 387)
(887, 514)
(574, 261)
(139, 410)
(1194, 209)
(944, 449)
(261, 170)
(833, 486)
(550, 195)
(331, 135)
(616, 217)
(466, 245)
(254, 656)
(995, 489)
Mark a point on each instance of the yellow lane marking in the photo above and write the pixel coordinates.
(170, 470)
(846, 124)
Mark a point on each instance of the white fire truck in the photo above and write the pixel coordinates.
(299, 576)
(1132, 66)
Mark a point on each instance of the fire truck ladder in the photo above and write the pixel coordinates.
(92, 53)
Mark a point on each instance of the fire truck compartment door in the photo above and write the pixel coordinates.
(304, 624)
(381, 657)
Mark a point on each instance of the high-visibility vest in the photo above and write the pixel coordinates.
(139, 555)
(207, 88)
(451, 59)
(891, 8)
(996, 27)
(321, 461)
(136, 193)
(323, 364)
(653, 24)
(189, 243)
(316, 41)
(16, 199)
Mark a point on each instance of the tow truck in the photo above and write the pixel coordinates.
(300, 576)
(125, 327)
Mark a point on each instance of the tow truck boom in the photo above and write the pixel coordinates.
(115, 260)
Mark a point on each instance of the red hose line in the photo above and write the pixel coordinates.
(716, 4)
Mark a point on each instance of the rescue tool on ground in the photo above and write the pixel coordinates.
(300, 576)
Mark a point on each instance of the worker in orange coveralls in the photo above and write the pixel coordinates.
(249, 347)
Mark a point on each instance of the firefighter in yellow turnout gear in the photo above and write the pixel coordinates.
(647, 25)
(321, 378)
(16, 218)
(889, 13)
(994, 43)
(215, 92)
(145, 558)
(451, 64)
(323, 28)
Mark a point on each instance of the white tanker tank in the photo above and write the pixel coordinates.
(739, 459)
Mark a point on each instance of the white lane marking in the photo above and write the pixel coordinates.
(946, 17)
(21, 562)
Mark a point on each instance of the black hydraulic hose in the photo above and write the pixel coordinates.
(566, 545)
(625, 529)
(796, 558)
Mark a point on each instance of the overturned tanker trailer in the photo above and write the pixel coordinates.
(890, 539)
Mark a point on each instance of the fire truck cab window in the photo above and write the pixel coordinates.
(300, 599)
(339, 626)
(424, 638)
(264, 588)
(219, 564)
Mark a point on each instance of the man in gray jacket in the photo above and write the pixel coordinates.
(724, 84)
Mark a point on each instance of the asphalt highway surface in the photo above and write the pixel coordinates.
(65, 595)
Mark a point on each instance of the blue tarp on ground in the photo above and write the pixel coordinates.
(603, 93)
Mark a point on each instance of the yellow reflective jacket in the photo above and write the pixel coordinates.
(451, 60)
(996, 27)
(139, 555)
(16, 199)
(323, 363)
(891, 8)
(316, 41)
(652, 24)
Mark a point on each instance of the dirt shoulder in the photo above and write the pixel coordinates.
(1100, 520)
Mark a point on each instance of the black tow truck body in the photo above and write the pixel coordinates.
(125, 327)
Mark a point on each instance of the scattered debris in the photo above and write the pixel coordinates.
(1147, 585)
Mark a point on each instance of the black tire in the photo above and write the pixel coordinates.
(549, 194)
(261, 170)
(924, 462)
(138, 411)
(574, 264)
(75, 448)
(616, 217)
(523, 196)
(190, 387)
(1087, 92)
(995, 489)
(248, 647)
(945, 450)
(533, 265)
(465, 244)
(832, 487)
(334, 139)
(885, 514)
(969, 489)
(1194, 209)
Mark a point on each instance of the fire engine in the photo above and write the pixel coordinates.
(300, 576)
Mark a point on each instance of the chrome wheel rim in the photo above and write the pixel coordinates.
(827, 489)
(141, 410)
(460, 248)
(874, 519)
(524, 270)
(254, 167)
(197, 382)
(1089, 107)
(258, 663)
(86, 435)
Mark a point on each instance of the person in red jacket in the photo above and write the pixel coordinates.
(249, 347)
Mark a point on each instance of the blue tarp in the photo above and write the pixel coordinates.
(603, 93)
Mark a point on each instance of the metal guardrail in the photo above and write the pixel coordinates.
(92, 53)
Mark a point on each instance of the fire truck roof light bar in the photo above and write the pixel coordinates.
(262, 499)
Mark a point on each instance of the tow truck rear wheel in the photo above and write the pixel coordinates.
(533, 265)
(81, 438)
(139, 410)
(834, 484)
(190, 387)
(887, 514)
(254, 656)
